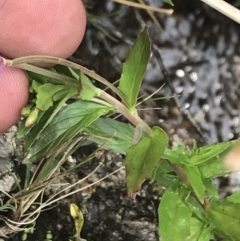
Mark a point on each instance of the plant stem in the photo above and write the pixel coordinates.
(134, 119)
(25, 63)
(20, 63)
(63, 78)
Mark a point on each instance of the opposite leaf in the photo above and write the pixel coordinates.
(134, 69)
(199, 231)
(143, 157)
(115, 135)
(45, 95)
(195, 180)
(213, 168)
(89, 91)
(209, 152)
(163, 175)
(225, 218)
(174, 215)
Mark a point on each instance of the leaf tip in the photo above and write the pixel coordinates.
(132, 195)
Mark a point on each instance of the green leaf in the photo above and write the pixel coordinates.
(61, 69)
(169, 2)
(134, 69)
(44, 119)
(35, 85)
(199, 231)
(213, 168)
(178, 154)
(168, 180)
(89, 91)
(163, 168)
(174, 215)
(164, 176)
(195, 179)
(225, 218)
(207, 153)
(60, 95)
(197, 156)
(45, 94)
(210, 188)
(143, 157)
(115, 135)
(197, 208)
(234, 198)
(173, 156)
(65, 125)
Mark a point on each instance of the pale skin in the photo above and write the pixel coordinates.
(31, 27)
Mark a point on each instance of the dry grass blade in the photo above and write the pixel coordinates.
(150, 96)
(54, 198)
(146, 7)
(224, 8)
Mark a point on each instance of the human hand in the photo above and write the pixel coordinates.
(31, 27)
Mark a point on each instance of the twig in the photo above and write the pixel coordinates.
(137, 5)
(27, 61)
(185, 112)
(134, 119)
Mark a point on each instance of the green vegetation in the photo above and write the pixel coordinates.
(190, 208)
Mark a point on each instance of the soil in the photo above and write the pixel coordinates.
(200, 51)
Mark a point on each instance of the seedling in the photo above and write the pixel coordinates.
(77, 215)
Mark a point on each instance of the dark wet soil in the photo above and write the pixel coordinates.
(200, 50)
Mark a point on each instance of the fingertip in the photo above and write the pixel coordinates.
(232, 159)
(13, 96)
(53, 27)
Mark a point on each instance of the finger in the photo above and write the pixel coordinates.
(28, 27)
(13, 96)
(232, 160)
(52, 27)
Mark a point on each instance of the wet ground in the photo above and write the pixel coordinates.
(200, 51)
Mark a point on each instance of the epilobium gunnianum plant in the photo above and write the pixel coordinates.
(190, 208)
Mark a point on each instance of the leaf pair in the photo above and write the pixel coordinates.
(199, 164)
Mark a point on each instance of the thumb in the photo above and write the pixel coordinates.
(13, 96)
